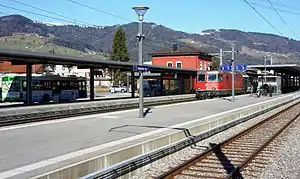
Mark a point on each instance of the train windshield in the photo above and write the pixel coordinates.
(213, 77)
(201, 77)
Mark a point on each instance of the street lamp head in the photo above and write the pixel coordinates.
(141, 11)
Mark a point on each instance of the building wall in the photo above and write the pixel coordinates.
(7, 67)
(100, 81)
(192, 62)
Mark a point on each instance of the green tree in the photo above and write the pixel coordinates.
(119, 53)
(119, 47)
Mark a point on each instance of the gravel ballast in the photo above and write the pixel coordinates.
(286, 164)
(158, 167)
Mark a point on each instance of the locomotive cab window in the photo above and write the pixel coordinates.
(201, 77)
(212, 77)
(220, 77)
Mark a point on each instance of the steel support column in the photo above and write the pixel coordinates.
(92, 85)
(191, 83)
(127, 82)
(161, 84)
(132, 84)
(29, 84)
(294, 82)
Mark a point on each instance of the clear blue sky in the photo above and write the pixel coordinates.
(189, 15)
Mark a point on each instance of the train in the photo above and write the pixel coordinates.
(210, 84)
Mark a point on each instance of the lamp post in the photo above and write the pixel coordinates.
(265, 70)
(141, 11)
(232, 76)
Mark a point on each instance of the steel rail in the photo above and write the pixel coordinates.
(132, 164)
(179, 169)
(246, 162)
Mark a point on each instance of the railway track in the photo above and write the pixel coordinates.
(241, 156)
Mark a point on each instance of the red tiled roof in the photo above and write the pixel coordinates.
(182, 51)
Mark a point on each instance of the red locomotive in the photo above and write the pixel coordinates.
(217, 83)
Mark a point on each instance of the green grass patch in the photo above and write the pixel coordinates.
(99, 89)
(35, 43)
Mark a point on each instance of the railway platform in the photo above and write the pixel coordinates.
(34, 149)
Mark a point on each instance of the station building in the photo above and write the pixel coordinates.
(181, 57)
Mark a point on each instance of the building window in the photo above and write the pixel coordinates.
(204, 65)
(178, 64)
(201, 67)
(170, 64)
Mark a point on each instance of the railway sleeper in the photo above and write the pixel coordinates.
(250, 175)
(251, 140)
(235, 150)
(235, 160)
(231, 156)
(216, 166)
(241, 148)
(243, 145)
(248, 143)
(256, 165)
(228, 152)
(206, 169)
(265, 155)
(262, 157)
(201, 174)
(259, 161)
(218, 162)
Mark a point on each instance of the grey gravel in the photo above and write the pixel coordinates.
(159, 167)
(286, 164)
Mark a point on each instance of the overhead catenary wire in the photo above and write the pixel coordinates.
(98, 10)
(278, 4)
(263, 17)
(17, 9)
(54, 13)
(279, 10)
(282, 18)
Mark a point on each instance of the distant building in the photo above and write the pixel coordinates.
(147, 63)
(7, 67)
(101, 78)
(184, 57)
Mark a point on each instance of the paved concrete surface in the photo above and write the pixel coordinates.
(98, 96)
(26, 144)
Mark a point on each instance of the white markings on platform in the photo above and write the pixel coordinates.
(82, 152)
(93, 116)
(102, 114)
(109, 117)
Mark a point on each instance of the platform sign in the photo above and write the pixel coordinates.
(225, 68)
(238, 67)
(140, 68)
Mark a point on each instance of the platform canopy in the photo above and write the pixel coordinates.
(293, 69)
(24, 57)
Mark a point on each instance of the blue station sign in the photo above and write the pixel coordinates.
(140, 68)
(238, 67)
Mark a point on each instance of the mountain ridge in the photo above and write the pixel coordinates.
(252, 46)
